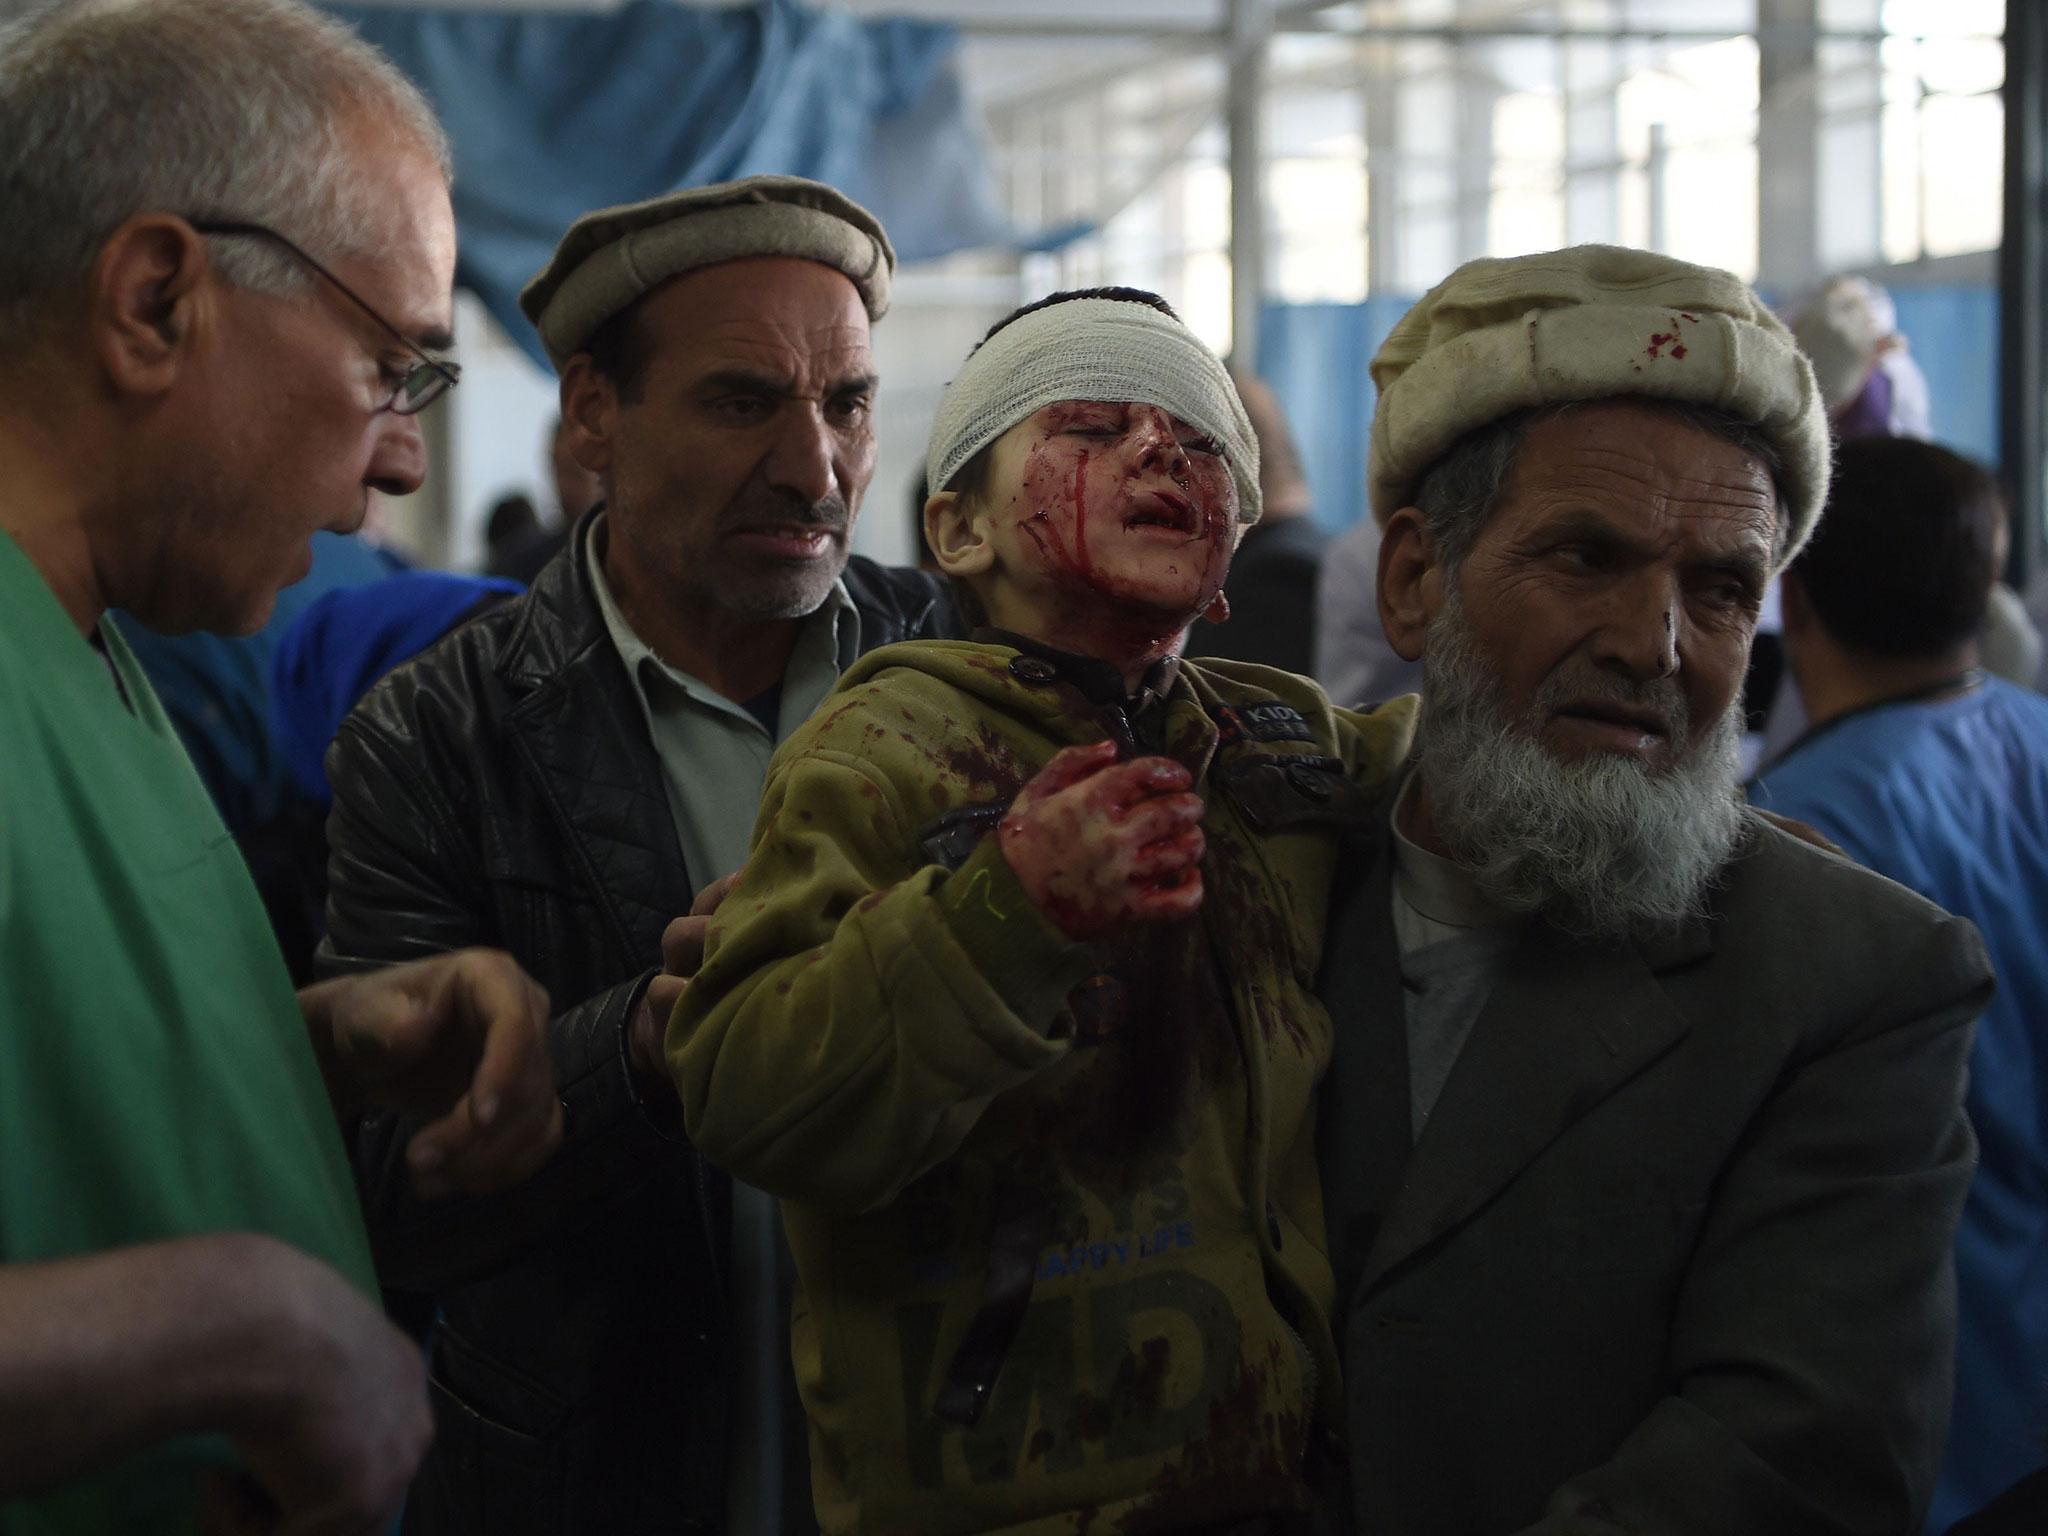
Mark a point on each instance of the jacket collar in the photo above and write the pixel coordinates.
(1141, 722)
(1099, 682)
(560, 622)
(576, 719)
(1567, 1024)
(580, 725)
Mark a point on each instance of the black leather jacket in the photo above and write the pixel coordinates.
(502, 789)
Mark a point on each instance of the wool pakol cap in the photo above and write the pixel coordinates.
(1593, 322)
(612, 256)
(1092, 349)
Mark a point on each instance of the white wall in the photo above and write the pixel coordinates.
(498, 429)
(936, 316)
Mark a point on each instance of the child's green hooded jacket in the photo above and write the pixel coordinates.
(1054, 1206)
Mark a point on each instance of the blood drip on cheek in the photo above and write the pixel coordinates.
(1042, 492)
(1053, 512)
(1217, 524)
(1083, 566)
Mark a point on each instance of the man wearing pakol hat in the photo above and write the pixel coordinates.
(1011, 1006)
(1643, 1145)
(561, 778)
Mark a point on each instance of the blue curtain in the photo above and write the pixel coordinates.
(1315, 357)
(1953, 330)
(556, 113)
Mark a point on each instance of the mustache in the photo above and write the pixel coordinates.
(782, 508)
(1584, 683)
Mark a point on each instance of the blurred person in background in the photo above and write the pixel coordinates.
(1269, 612)
(1354, 660)
(342, 645)
(521, 553)
(512, 517)
(1927, 769)
(1872, 388)
(324, 662)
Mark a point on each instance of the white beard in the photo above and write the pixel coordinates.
(1603, 848)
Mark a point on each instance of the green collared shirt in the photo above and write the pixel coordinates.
(714, 752)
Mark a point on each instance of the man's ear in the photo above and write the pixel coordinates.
(590, 411)
(958, 536)
(146, 300)
(1411, 582)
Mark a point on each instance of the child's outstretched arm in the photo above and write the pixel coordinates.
(858, 1008)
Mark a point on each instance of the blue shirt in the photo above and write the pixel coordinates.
(343, 642)
(216, 688)
(1950, 798)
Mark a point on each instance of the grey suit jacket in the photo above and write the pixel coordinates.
(1671, 1256)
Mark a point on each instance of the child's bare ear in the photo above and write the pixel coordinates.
(958, 535)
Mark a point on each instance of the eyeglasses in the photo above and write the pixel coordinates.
(426, 381)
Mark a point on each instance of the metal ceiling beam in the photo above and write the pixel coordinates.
(2022, 269)
(1244, 111)
(1311, 23)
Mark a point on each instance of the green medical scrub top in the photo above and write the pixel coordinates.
(155, 1077)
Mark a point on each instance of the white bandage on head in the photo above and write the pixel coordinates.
(1092, 349)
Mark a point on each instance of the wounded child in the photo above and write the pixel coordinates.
(1012, 1007)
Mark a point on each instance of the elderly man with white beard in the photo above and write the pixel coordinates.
(1643, 1145)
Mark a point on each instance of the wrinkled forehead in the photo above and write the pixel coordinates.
(398, 253)
(773, 314)
(1652, 473)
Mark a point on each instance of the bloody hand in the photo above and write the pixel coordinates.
(1098, 844)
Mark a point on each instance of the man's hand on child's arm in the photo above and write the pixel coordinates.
(682, 952)
(1098, 844)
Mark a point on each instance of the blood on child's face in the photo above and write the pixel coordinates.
(1112, 509)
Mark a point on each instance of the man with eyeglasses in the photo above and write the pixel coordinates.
(414, 384)
(226, 272)
(217, 690)
(562, 777)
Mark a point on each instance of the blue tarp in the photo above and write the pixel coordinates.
(1315, 357)
(555, 113)
(1953, 330)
